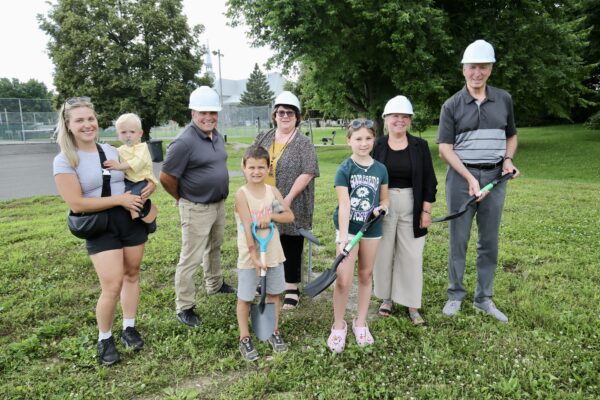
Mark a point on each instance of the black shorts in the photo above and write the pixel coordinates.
(122, 232)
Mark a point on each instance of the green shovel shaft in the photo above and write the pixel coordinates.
(353, 242)
(486, 188)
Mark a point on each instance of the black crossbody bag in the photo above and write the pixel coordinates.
(90, 225)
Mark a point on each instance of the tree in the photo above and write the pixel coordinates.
(11, 89)
(355, 55)
(128, 55)
(257, 91)
(539, 47)
(32, 89)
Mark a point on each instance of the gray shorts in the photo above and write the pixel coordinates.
(248, 280)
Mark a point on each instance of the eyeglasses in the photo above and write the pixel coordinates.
(357, 123)
(83, 99)
(282, 114)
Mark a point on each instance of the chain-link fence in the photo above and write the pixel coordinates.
(35, 120)
(234, 121)
(26, 119)
(244, 121)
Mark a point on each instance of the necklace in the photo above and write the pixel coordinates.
(275, 156)
(359, 167)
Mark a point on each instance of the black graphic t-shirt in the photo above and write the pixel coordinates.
(363, 189)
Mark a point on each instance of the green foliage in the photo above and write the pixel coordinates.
(32, 89)
(355, 55)
(547, 282)
(129, 56)
(539, 51)
(594, 121)
(257, 91)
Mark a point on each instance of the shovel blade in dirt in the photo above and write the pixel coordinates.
(263, 323)
(262, 315)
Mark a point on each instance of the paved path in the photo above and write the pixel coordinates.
(26, 170)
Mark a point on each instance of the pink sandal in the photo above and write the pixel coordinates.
(337, 339)
(362, 334)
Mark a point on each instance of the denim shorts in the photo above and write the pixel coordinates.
(248, 280)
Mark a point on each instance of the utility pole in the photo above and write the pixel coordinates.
(219, 55)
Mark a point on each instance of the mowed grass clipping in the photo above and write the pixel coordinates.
(547, 282)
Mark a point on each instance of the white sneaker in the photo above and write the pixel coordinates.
(489, 308)
(451, 308)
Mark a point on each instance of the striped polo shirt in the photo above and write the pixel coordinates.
(478, 131)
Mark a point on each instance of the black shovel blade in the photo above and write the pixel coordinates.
(324, 280)
(308, 235)
(263, 294)
(463, 209)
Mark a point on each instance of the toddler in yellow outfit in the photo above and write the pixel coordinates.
(135, 161)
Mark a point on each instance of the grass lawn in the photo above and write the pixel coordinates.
(547, 282)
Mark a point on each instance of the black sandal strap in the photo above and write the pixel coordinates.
(291, 302)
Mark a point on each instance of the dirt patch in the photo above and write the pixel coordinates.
(200, 387)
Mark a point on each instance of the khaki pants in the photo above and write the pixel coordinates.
(398, 273)
(202, 230)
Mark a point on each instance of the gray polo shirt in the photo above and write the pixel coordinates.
(478, 131)
(199, 164)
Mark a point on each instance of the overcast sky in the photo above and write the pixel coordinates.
(23, 44)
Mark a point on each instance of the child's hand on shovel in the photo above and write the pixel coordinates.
(257, 264)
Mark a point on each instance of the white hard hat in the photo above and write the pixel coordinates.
(287, 99)
(204, 99)
(398, 105)
(479, 52)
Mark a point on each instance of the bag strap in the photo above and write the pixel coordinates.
(105, 172)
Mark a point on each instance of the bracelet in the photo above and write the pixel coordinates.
(507, 158)
(341, 241)
(427, 212)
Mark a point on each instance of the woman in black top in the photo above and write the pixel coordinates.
(398, 274)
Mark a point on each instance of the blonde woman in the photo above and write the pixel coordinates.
(116, 254)
(398, 272)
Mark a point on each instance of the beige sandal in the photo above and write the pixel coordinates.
(416, 318)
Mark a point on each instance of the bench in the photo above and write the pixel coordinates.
(326, 140)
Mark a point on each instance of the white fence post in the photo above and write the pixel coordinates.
(22, 124)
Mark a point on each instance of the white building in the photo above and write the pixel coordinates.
(233, 89)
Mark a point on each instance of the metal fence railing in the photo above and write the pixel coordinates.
(26, 119)
(35, 120)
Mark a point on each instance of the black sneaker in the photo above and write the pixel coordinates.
(131, 339)
(247, 349)
(226, 289)
(107, 352)
(189, 318)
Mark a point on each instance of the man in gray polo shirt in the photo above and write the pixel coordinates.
(195, 174)
(478, 139)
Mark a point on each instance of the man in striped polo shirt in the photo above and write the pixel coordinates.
(477, 137)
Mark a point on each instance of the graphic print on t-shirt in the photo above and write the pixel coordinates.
(363, 189)
(257, 215)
